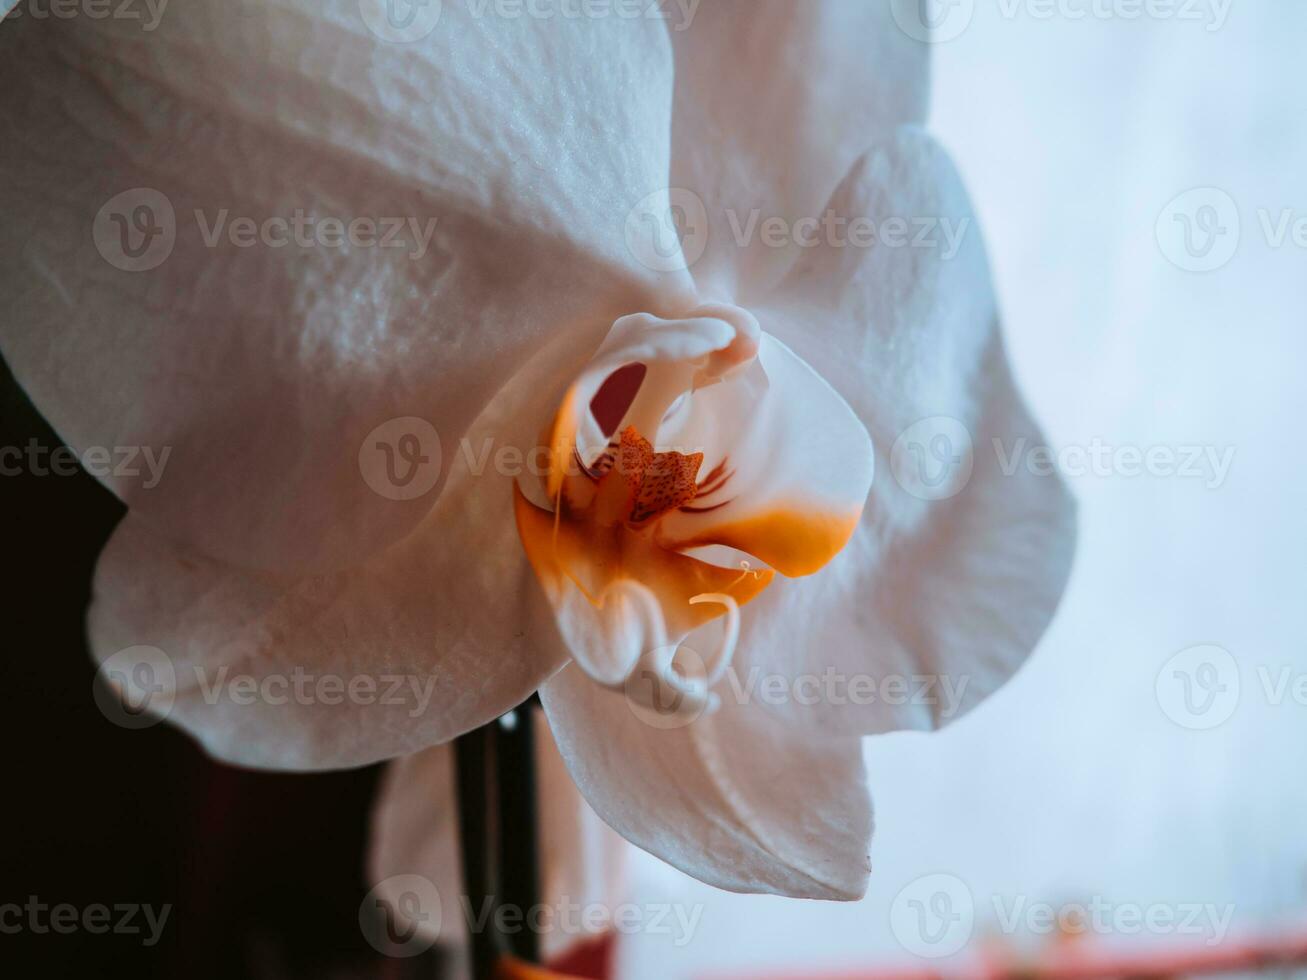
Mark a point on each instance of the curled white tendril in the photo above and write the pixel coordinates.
(633, 621)
(657, 677)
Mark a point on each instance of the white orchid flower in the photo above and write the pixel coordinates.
(742, 505)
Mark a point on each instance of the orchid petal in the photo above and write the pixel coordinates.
(796, 465)
(774, 102)
(728, 796)
(944, 595)
(448, 621)
(514, 147)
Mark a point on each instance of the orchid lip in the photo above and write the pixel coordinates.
(668, 447)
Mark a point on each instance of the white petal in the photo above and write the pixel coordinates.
(951, 589)
(916, 631)
(730, 797)
(450, 612)
(797, 465)
(774, 102)
(262, 367)
(415, 831)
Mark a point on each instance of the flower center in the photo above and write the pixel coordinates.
(615, 477)
(690, 462)
(636, 486)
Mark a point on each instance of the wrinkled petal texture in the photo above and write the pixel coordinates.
(263, 366)
(451, 612)
(957, 590)
(774, 102)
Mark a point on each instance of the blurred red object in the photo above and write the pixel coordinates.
(1090, 961)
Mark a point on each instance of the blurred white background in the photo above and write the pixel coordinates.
(1074, 135)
